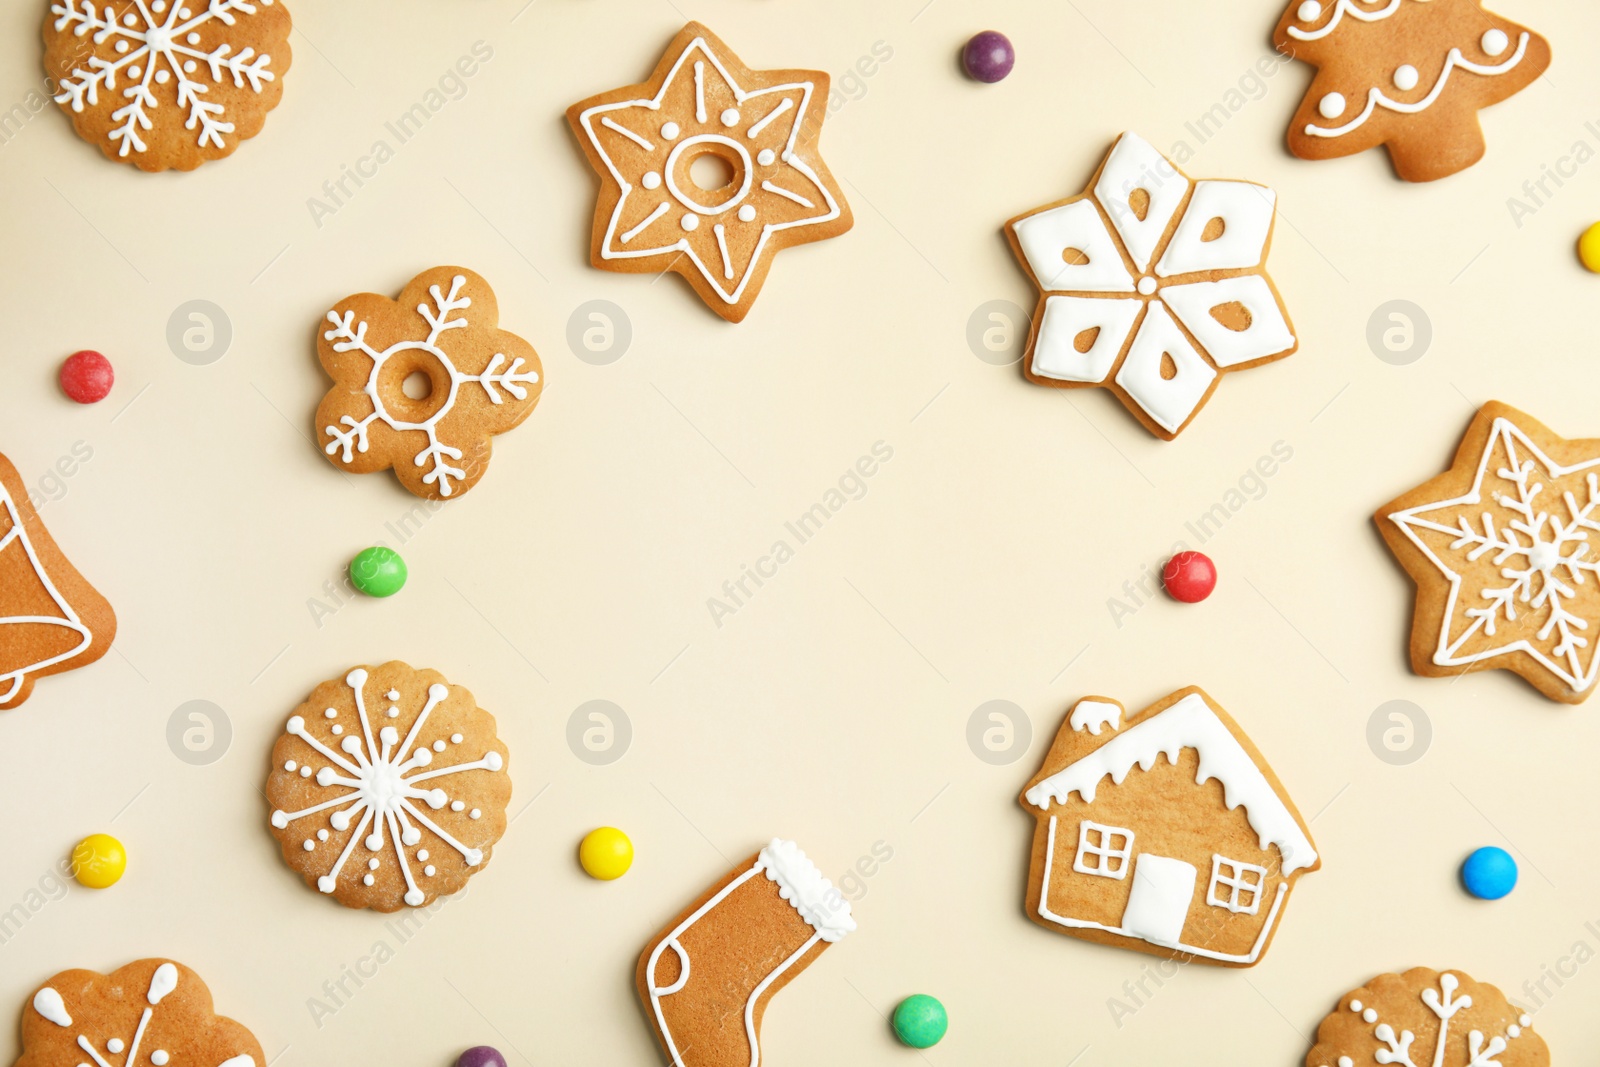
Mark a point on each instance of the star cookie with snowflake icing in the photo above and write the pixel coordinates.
(152, 1012)
(388, 788)
(761, 127)
(167, 83)
(442, 334)
(1151, 285)
(1504, 548)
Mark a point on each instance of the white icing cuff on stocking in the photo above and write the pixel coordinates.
(804, 887)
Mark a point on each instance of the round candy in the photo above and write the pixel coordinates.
(1189, 577)
(989, 56)
(1589, 248)
(481, 1056)
(378, 571)
(98, 861)
(1489, 873)
(606, 853)
(86, 377)
(920, 1021)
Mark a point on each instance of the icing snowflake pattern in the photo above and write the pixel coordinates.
(153, 44)
(477, 389)
(1153, 284)
(1531, 518)
(384, 789)
(1444, 1002)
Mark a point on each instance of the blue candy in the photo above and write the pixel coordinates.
(1489, 873)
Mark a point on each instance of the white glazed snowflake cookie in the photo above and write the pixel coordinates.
(151, 1012)
(1152, 285)
(480, 381)
(1500, 549)
(388, 788)
(167, 83)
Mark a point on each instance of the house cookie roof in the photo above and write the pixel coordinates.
(1190, 723)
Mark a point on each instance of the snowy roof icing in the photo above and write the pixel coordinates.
(1190, 723)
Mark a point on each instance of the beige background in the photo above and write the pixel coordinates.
(833, 706)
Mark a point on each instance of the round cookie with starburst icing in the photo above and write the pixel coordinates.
(166, 84)
(388, 788)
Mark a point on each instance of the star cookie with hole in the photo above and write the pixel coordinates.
(388, 788)
(167, 84)
(760, 130)
(421, 384)
(1152, 285)
(1504, 548)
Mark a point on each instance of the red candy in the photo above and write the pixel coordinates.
(86, 377)
(1189, 577)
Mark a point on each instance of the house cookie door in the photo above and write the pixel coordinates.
(1158, 903)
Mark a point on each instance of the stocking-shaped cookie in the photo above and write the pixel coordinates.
(51, 620)
(1407, 74)
(706, 979)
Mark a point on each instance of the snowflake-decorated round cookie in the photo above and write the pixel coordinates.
(166, 83)
(152, 1012)
(1504, 548)
(1426, 1018)
(476, 381)
(388, 788)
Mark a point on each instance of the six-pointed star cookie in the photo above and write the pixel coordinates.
(1499, 546)
(1151, 285)
(772, 189)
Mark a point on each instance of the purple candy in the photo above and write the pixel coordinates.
(481, 1056)
(989, 56)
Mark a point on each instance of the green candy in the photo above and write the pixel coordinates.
(920, 1021)
(378, 571)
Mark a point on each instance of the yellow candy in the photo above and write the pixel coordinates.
(98, 861)
(606, 853)
(1589, 248)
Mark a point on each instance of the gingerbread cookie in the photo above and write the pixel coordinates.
(388, 788)
(51, 619)
(480, 381)
(167, 83)
(1192, 856)
(706, 978)
(653, 215)
(1424, 1018)
(1151, 285)
(1407, 74)
(1499, 548)
(154, 1012)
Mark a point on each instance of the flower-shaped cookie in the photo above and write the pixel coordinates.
(153, 1012)
(1152, 285)
(480, 381)
(167, 83)
(655, 215)
(1505, 550)
(388, 788)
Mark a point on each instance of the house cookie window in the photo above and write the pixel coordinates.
(1103, 850)
(1235, 885)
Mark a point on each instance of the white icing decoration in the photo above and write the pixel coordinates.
(1341, 8)
(422, 855)
(1369, 1015)
(1169, 402)
(456, 739)
(1377, 99)
(1055, 353)
(239, 1061)
(164, 981)
(1158, 900)
(804, 887)
(1331, 106)
(47, 1002)
(1246, 211)
(348, 335)
(747, 213)
(1310, 11)
(309, 845)
(1267, 335)
(158, 43)
(1406, 77)
(651, 180)
(1046, 236)
(744, 169)
(305, 771)
(160, 1057)
(1146, 286)
(429, 870)
(438, 746)
(1541, 555)
(380, 782)
(1189, 723)
(611, 124)
(690, 221)
(456, 805)
(16, 538)
(290, 766)
(114, 1045)
(1444, 1004)
(700, 247)
(1135, 164)
(1494, 42)
(1093, 715)
(475, 813)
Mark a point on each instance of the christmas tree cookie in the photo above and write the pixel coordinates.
(1407, 74)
